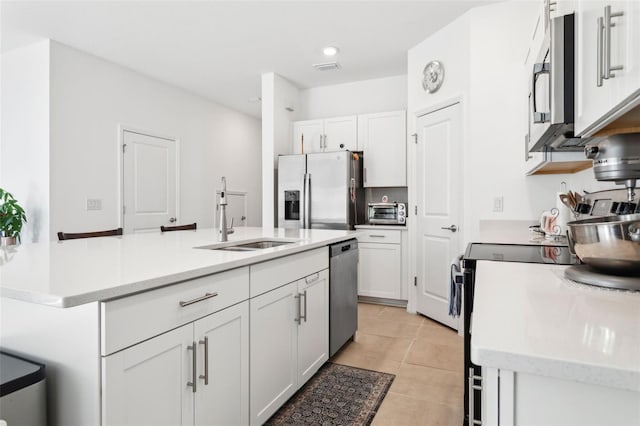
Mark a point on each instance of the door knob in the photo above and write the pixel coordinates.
(172, 219)
(451, 228)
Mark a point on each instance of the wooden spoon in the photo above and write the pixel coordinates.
(565, 200)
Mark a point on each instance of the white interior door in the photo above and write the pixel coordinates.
(150, 182)
(439, 200)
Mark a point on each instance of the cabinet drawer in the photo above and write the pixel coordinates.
(379, 236)
(266, 276)
(129, 320)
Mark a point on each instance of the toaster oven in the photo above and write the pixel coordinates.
(387, 213)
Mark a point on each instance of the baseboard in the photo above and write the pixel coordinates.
(383, 301)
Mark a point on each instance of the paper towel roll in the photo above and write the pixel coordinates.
(564, 214)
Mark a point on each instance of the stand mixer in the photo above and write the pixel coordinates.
(608, 241)
(617, 159)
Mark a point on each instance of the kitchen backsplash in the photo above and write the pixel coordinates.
(394, 194)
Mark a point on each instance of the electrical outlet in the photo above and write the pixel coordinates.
(498, 204)
(94, 204)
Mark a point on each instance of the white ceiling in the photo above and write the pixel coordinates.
(219, 49)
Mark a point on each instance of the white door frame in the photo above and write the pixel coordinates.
(412, 193)
(122, 128)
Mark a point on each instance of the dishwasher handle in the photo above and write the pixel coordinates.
(344, 247)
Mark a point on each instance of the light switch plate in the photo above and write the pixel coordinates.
(498, 204)
(94, 204)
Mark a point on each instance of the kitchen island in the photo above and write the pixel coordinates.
(553, 351)
(162, 329)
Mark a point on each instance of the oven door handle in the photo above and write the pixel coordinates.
(472, 388)
(538, 70)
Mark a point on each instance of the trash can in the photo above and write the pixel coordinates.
(23, 397)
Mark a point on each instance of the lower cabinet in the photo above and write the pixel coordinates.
(196, 374)
(289, 341)
(512, 398)
(380, 269)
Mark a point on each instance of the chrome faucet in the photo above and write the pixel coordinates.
(224, 231)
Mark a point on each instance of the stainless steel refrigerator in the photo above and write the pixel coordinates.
(320, 190)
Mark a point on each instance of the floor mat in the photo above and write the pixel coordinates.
(336, 395)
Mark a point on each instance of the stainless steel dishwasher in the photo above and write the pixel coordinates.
(343, 293)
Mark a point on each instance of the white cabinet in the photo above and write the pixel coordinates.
(308, 133)
(607, 62)
(273, 351)
(313, 328)
(289, 341)
(196, 374)
(331, 134)
(512, 398)
(186, 362)
(146, 384)
(380, 269)
(222, 395)
(340, 133)
(289, 328)
(382, 138)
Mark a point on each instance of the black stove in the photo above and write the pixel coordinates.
(559, 255)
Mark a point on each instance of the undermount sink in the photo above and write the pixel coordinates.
(251, 245)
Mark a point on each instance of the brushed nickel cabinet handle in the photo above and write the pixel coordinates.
(377, 236)
(599, 56)
(299, 316)
(312, 278)
(205, 376)
(193, 383)
(608, 68)
(305, 307)
(198, 299)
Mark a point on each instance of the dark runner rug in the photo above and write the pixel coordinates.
(336, 395)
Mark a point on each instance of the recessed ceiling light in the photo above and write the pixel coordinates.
(330, 51)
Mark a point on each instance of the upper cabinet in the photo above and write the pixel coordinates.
(340, 133)
(308, 136)
(382, 138)
(607, 62)
(331, 134)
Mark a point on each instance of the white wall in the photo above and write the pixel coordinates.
(24, 147)
(483, 53)
(90, 98)
(361, 97)
(498, 82)
(278, 94)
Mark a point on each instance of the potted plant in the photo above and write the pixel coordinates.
(12, 217)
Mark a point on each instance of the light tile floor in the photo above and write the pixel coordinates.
(426, 357)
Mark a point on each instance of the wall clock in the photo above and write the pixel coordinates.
(433, 76)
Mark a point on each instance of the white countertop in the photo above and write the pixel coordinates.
(529, 318)
(74, 272)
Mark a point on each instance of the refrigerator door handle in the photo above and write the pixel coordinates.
(306, 215)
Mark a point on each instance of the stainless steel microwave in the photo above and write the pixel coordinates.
(551, 95)
(387, 213)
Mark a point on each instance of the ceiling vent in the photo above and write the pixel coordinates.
(327, 66)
